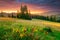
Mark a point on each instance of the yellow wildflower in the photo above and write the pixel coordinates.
(21, 35)
(24, 29)
(46, 33)
(17, 30)
(13, 29)
(34, 29)
(31, 34)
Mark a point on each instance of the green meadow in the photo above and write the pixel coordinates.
(19, 29)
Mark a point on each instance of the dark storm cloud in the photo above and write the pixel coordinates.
(51, 3)
(48, 4)
(6, 1)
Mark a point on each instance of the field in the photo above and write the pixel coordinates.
(18, 29)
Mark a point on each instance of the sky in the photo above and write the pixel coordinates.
(35, 6)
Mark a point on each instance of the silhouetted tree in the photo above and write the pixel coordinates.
(54, 18)
(24, 13)
(47, 18)
(1, 14)
(51, 18)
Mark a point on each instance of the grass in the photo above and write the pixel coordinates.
(18, 29)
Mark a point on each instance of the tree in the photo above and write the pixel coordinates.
(51, 18)
(24, 13)
(54, 18)
(47, 18)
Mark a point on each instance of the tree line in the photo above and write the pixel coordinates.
(53, 18)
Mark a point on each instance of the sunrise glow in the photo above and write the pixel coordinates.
(35, 8)
(10, 11)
